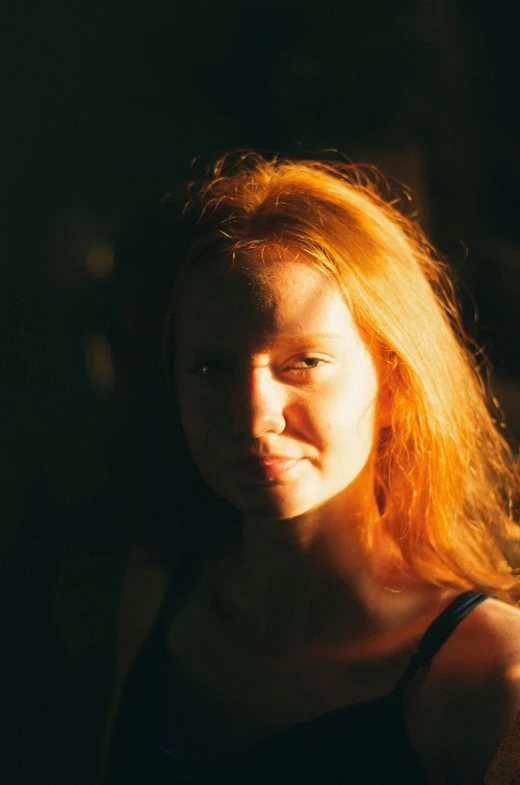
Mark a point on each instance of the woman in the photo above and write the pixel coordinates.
(334, 622)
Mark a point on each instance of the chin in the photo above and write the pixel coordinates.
(271, 504)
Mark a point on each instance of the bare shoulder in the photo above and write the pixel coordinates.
(471, 695)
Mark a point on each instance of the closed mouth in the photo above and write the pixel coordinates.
(267, 467)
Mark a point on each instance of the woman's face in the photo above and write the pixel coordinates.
(276, 388)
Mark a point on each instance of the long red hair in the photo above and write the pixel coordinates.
(446, 477)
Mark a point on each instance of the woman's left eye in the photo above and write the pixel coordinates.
(306, 363)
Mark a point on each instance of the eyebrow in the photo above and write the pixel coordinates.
(312, 338)
(308, 339)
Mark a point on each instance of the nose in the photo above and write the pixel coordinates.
(258, 404)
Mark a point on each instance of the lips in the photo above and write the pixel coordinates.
(268, 467)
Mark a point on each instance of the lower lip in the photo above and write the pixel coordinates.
(265, 472)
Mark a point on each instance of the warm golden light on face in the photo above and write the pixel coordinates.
(442, 468)
(274, 365)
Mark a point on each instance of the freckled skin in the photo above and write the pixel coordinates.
(274, 363)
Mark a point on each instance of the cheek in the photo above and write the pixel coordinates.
(349, 427)
(202, 419)
(192, 416)
(193, 426)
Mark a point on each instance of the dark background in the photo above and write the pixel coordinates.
(104, 106)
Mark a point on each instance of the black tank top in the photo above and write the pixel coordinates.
(364, 744)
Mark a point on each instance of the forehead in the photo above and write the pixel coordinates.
(259, 303)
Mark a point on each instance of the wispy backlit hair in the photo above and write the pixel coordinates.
(446, 478)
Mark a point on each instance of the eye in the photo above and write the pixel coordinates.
(302, 365)
(306, 363)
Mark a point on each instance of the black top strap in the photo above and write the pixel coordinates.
(437, 634)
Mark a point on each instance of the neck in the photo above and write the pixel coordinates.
(305, 579)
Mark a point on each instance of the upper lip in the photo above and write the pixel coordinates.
(266, 458)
